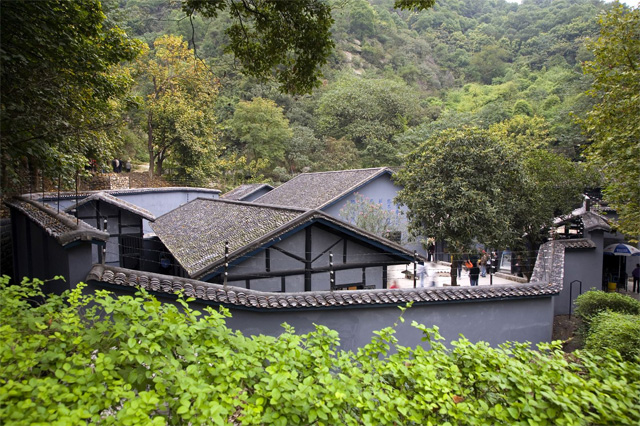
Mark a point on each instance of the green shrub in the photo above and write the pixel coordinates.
(613, 330)
(98, 359)
(591, 303)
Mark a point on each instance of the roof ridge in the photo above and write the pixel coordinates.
(255, 299)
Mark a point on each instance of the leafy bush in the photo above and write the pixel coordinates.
(613, 330)
(96, 359)
(591, 303)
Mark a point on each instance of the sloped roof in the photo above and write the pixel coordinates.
(317, 190)
(108, 198)
(196, 232)
(591, 220)
(258, 300)
(52, 196)
(244, 191)
(64, 228)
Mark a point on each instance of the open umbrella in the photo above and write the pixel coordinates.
(621, 249)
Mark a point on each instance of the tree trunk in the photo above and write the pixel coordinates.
(150, 142)
(454, 270)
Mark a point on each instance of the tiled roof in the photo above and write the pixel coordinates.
(108, 198)
(252, 299)
(549, 265)
(196, 232)
(593, 221)
(317, 190)
(577, 243)
(59, 225)
(243, 191)
(49, 196)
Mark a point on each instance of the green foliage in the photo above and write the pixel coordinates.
(290, 40)
(612, 122)
(615, 330)
(78, 358)
(178, 116)
(458, 187)
(591, 303)
(61, 94)
(262, 130)
(368, 112)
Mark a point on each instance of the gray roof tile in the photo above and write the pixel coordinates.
(59, 225)
(317, 190)
(252, 299)
(196, 232)
(243, 191)
(108, 198)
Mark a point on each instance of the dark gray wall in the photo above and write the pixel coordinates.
(38, 255)
(382, 191)
(580, 266)
(494, 322)
(322, 241)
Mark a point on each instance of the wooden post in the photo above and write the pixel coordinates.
(58, 193)
(332, 277)
(226, 264)
(104, 249)
(415, 267)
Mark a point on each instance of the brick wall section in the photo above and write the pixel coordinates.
(118, 181)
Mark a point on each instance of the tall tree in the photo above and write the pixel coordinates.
(262, 129)
(287, 40)
(457, 187)
(613, 122)
(369, 112)
(179, 94)
(60, 90)
(553, 184)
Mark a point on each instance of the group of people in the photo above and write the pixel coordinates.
(118, 164)
(478, 267)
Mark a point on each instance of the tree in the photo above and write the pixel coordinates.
(61, 93)
(553, 184)
(287, 40)
(613, 122)
(261, 128)
(179, 94)
(457, 187)
(368, 112)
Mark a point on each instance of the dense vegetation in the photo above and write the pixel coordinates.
(134, 360)
(461, 62)
(395, 73)
(609, 321)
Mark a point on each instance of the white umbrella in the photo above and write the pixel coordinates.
(621, 249)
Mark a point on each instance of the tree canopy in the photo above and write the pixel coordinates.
(499, 187)
(456, 188)
(613, 122)
(61, 92)
(178, 97)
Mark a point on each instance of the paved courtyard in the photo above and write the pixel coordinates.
(438, 273)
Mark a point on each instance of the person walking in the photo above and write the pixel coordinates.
(483, 263)
(422, 272)
(474, 273)
(636, 278)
